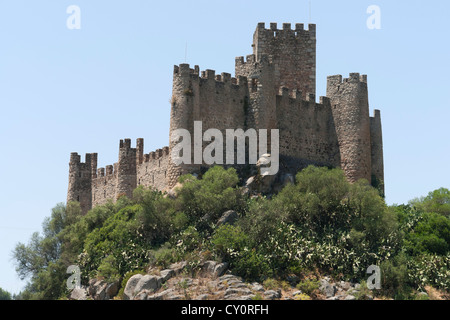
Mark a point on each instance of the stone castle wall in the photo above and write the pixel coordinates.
(91, 186)
(273, 88)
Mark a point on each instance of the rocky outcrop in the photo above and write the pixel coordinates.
(213, 281)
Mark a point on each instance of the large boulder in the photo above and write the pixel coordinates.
(129, 291)
(327, 288)
(78, 294)
(112, 289)
(166, 274)
(213, 268)
(147, 282)
(228, 217)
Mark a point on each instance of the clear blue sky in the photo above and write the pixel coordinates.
(64, 91)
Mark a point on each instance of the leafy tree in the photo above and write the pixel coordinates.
(437, 201)
(39, 260)
(430, 235)
(4, 295)
(213, 194)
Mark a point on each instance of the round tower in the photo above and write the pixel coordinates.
(350, 110)
(80, 180)
(126, 169)
(184, 93)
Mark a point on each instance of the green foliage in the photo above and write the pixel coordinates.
(228, 241)
(164, 256)
(39, 260)
(271, 284)
(394, 277)
(231, 244)
(4, 295)
(308, 286)
(430, 270)
(108, 269)
(321, 223)
(215, 193)
(120, 238)
(431, 235)
(437, 201)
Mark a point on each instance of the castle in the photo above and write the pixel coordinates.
(273, 88)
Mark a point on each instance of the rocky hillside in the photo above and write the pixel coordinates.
(215, 282)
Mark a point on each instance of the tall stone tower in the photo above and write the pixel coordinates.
(126, 169)
(350, 109)
(293, 55)
(80, 179)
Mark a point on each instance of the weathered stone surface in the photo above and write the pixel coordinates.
(220, 269)
(272, 294)
(327, 289)
(209, 266)
(257, 287)
(129, 291)
(112, 289)
(99, 290)
(78, 294)
(166, 274)
(147, 282)
(266, 93)
(178, 267)
(228, 217)
(161, 295)
(239, 291)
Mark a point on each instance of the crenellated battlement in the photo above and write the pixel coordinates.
(264, 60)
(353, 78)
(296, 96)
(204, 76)
(272, 88)
(157, 154)
(298, 32)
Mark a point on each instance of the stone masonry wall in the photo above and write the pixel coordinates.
(274, 88)
(350, 107)
(306, 128)
(293, 54)
(92, 187)
(152, 172)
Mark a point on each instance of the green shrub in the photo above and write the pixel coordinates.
(394, 278)
(430, 235)
(164, 257)
(108, 269)
(430, 270)
(271, 284)
(213, 194)
(437, 201)
(229, 240)
(308, 286)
